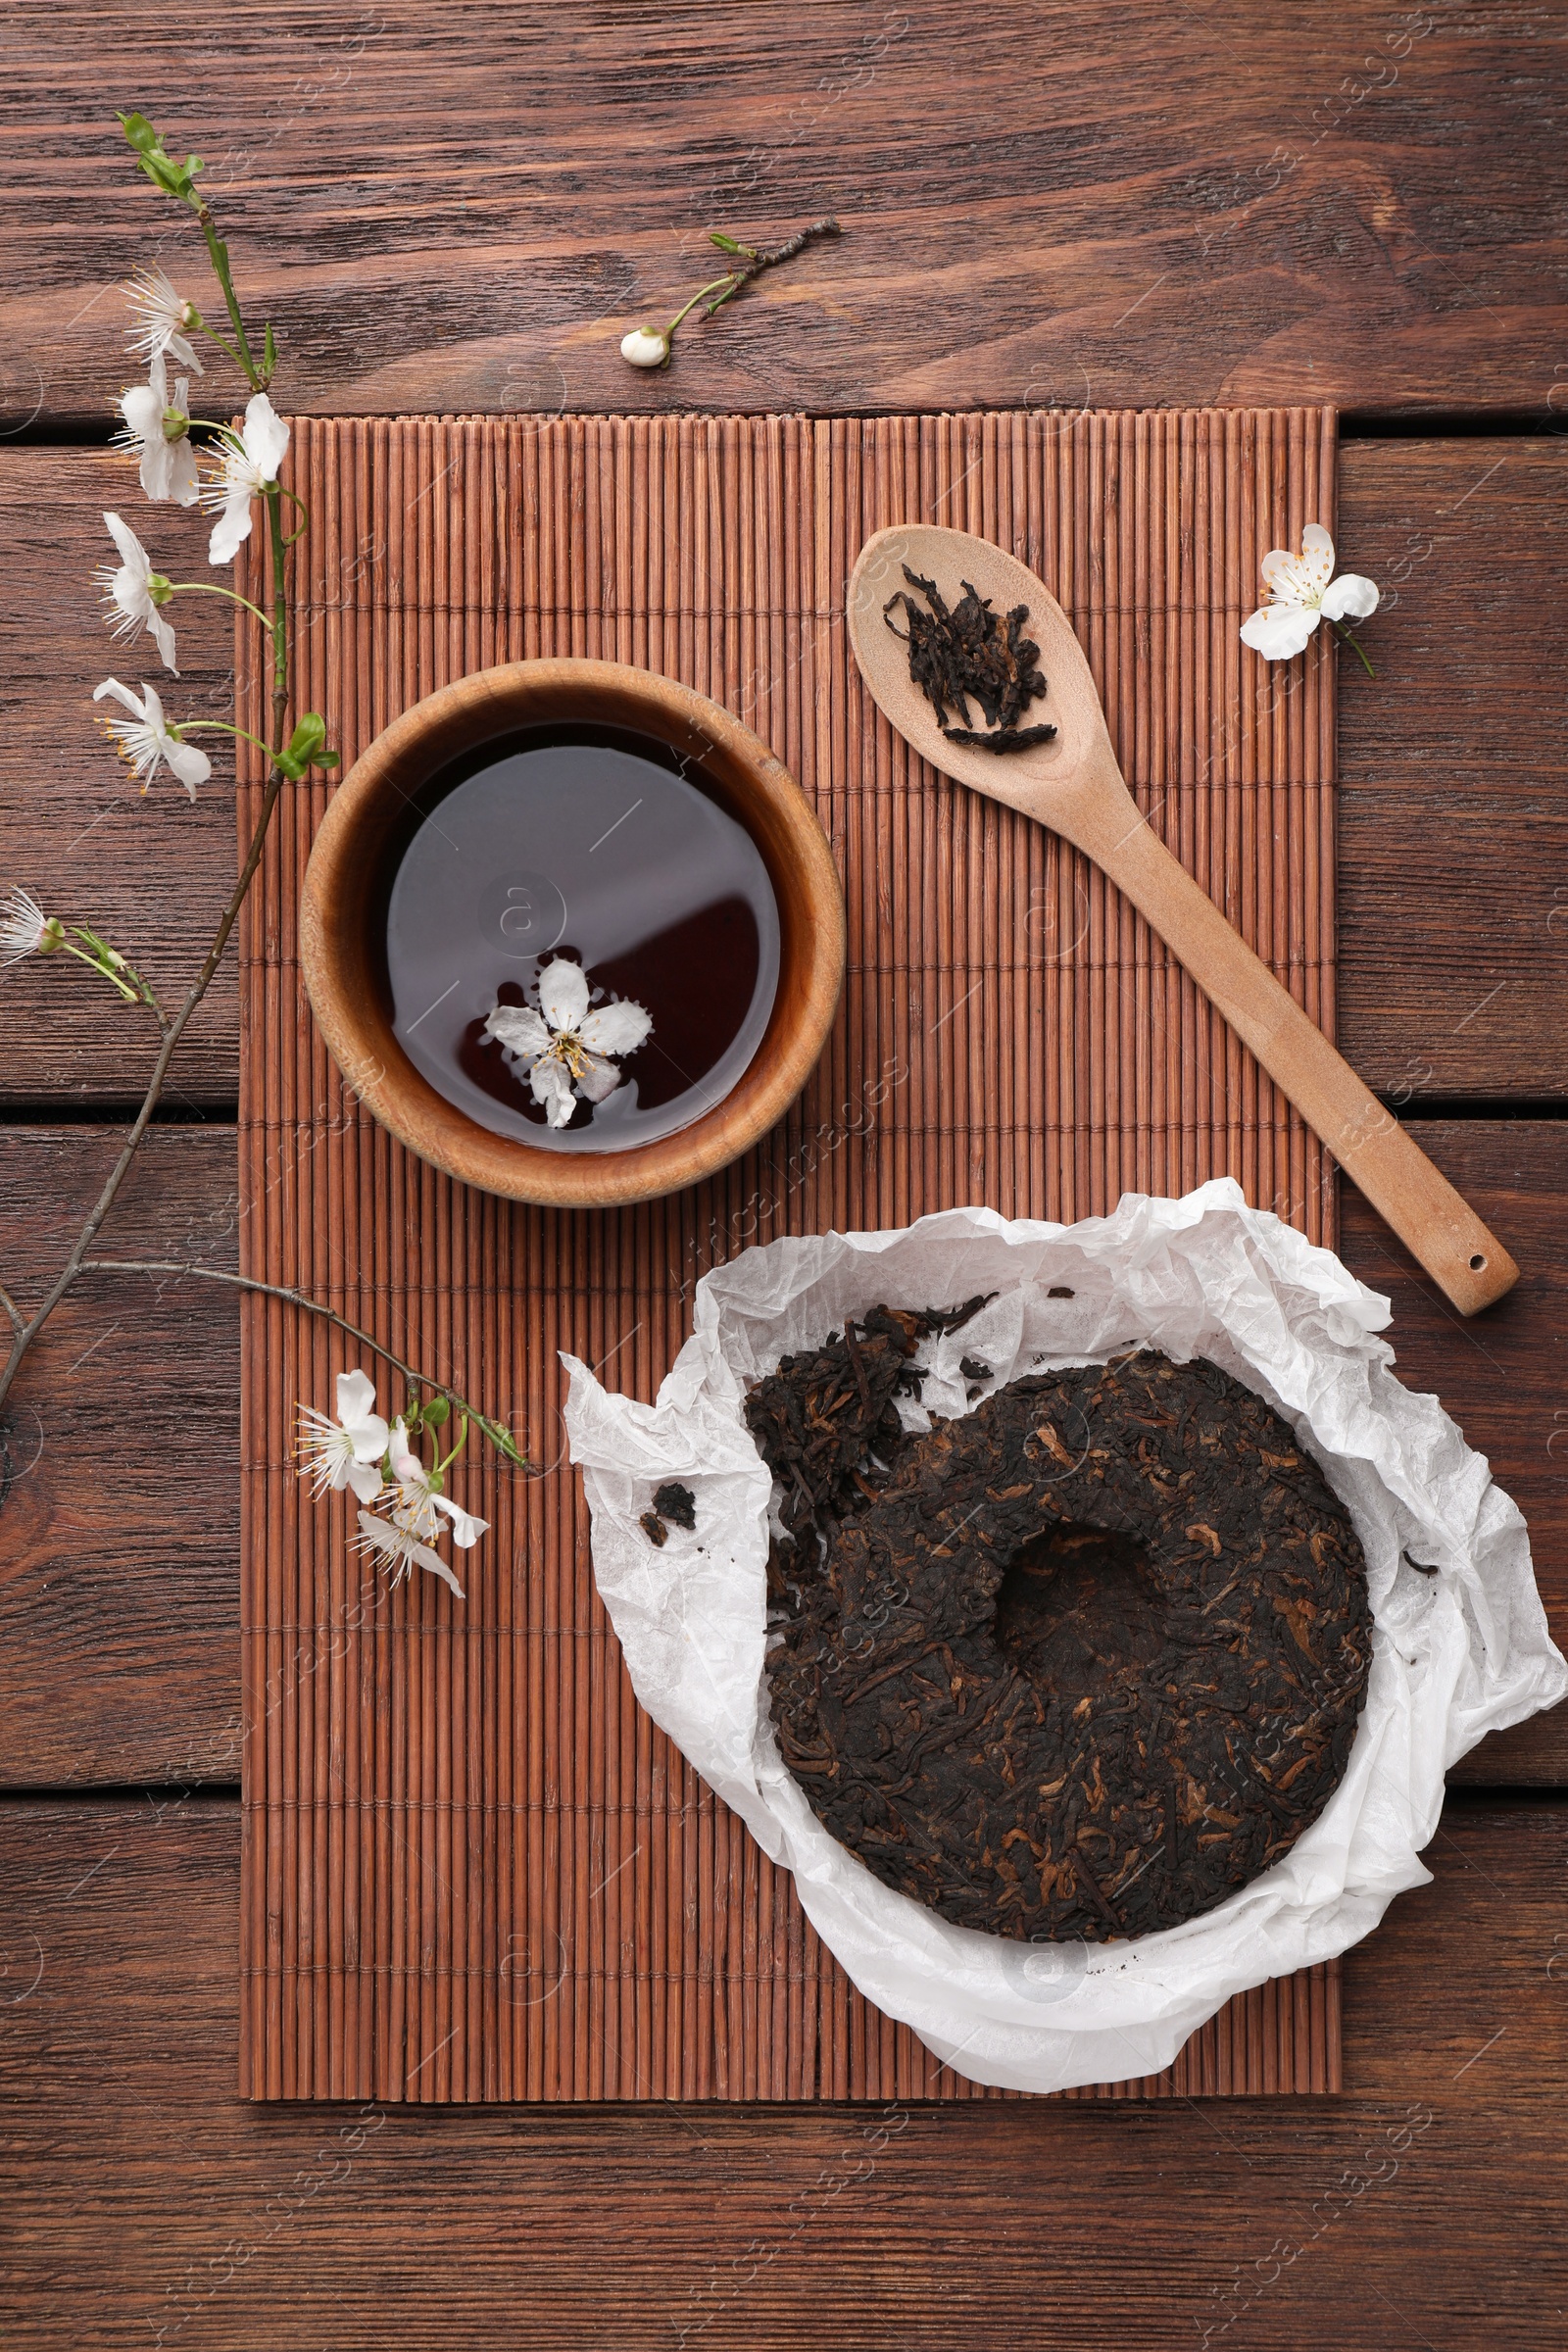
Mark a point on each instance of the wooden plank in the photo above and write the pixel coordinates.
(1452, 945)
(120, 1599)
(118, 1609)
(1499, 1373)
(153, 874)
(1038, 208)
(145, 2202)
(1453, 835)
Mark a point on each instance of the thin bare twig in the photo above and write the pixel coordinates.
(26, 1332)
(495, 1430)
(755, 258)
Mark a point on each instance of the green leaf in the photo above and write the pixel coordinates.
(725, 244)
(304, 747)
(175, 179)
(269, 350)
(436, 1412)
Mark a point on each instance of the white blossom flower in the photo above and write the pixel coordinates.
(161, 320)
(26, 929)
(145, 743)
(416, 1500)
(135, 591)
(168, 466)
(1301, 596)
(563, 1044)
(645, 347)
(347, 1451)
(402, 1550)
(248, 465)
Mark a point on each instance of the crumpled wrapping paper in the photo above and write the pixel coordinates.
(1455, 1654)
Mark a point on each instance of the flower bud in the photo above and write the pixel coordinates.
(645, 347)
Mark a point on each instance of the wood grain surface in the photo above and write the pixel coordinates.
(1453, 820)
(1074, 206)
(466, 211)
(119, 1601)
(146, 2203)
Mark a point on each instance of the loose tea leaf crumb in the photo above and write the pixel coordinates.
(654, 1527)
(676, 1504)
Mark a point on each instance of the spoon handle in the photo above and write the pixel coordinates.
(1468, 1264)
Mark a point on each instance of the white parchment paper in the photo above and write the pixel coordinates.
(1455, 1654)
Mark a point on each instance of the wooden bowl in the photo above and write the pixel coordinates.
(340, 910)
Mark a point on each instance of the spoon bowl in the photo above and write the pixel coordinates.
(1074, 785)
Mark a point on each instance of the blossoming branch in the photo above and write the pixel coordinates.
(235, 475)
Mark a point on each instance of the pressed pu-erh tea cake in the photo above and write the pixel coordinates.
(1081, 1663)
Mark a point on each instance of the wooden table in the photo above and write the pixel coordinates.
(1059, 205)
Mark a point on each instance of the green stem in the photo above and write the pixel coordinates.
(95, 963)
(274, 517)
(221, 727)
(1352, 640)
(211, 588)
(224, 345)
(303, 509)
(445, 1462)
(218, 253)
(728, 276)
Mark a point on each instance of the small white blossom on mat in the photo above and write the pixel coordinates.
(134, 591)
(418, 1500)
(1303, 591)
(402, 1551)
(247, 466)
(161, 320)
(564, 1045)
(645, 347)
(24, 928)
(347, 1451)
(167, 466)
(145, 743)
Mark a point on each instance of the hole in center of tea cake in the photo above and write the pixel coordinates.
(1076, 1607)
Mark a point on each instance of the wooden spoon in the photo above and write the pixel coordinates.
(1074, 786)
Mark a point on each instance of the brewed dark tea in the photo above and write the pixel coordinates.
(582, 946)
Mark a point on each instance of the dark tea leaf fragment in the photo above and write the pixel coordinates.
(676, 1504)
(1003, 738)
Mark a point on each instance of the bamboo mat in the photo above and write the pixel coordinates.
(472, 1869)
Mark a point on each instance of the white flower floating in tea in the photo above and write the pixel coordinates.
(565, 1046)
